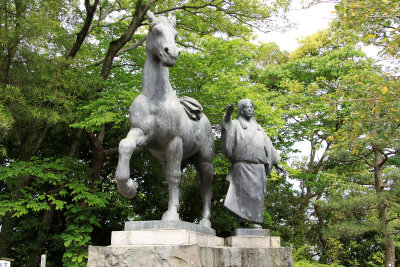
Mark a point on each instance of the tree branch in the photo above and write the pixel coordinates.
(116, 45)
(190, 46)
(75, 143)
(187, 7)
(110, 151)
(125, 65)
(80, 37)
(363, 158)
(392, 219)
(122, 50)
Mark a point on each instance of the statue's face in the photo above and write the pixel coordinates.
(161, 41)
(248, 111)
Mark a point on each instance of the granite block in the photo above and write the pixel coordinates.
(167, 225)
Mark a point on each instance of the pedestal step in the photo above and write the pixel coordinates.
(253, 241)
(167, 225)
(251, 232)
(164, 237)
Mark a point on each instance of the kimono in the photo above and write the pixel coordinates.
(252, 155)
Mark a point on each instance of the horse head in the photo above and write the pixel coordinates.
(161, 39)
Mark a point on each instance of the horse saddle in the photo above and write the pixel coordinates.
(192, 107)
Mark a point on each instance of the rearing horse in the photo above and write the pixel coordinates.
(159, 122)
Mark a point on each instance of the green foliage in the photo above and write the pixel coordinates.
(216, 72)
(376, 22)
(60, 184)
(334, 97)
(76, 236)
(280, 201)
(305, 263)
(371, 125)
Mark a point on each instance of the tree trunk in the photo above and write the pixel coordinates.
(298, 220)
(321, 225)
(98, 153)
(390, 256)
(74, 150)
(7, 227)
(12, 44)
(41, 237)
(390, 253)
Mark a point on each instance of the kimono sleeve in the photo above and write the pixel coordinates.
(228, 135)
(272, 154)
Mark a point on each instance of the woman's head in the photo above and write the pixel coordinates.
(245, 108)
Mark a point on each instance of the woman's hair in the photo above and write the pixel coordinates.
(241, 104)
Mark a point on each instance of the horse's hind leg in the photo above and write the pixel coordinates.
(134, 140)
(172, 170)
(206, 170)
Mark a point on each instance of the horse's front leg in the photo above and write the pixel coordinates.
(172, 170)
(133, 142)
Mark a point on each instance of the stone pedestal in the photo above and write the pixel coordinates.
(253, 238)
(167, 225)
(165, 233)
(164, 237)
(178, 243)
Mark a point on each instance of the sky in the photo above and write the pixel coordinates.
(307, 21)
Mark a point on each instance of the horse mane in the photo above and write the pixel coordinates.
(159, 20)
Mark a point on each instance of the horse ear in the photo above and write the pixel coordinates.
(150, 16)
(173, 20)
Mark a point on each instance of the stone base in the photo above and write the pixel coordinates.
(253, 241)
(188, 256)
(251, 232)
(164, 237)
(177, 243)
(253, 238)
(167, 225)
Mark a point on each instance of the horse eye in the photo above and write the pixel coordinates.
(155, 31)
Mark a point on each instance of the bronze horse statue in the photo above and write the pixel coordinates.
(174, 130)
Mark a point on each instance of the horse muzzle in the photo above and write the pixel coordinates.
(169, 55)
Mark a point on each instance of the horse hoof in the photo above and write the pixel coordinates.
(205, 223)
(170, 216)
(128, 189)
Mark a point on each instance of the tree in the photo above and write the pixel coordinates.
(374, 21)
(369, 139)
(34, 106)
(307, 91)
